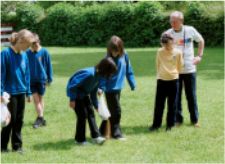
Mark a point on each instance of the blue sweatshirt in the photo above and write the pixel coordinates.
(40, 66)
(83, 83)
(15, 73)
(116, 82)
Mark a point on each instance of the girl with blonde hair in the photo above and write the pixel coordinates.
(15, 80)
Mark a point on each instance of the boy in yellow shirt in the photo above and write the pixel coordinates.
(169, 62)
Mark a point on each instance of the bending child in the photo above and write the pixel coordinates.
(82, 90)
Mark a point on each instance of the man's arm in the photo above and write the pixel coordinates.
(201, 45)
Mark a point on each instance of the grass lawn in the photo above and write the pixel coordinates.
(55, 142)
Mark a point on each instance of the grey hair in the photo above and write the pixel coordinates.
(177, 14)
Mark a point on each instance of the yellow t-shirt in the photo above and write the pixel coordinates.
(169, 63)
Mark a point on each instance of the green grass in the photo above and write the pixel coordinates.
(55, 143)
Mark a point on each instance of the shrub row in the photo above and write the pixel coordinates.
(138, 24)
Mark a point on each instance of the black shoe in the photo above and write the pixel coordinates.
(177, 124)
(43, 122)
(152, 128)
(4, 150)
(169, 128)
(117, 136)
(39, 122)
(19, 150)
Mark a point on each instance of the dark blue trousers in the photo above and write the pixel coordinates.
(84, 111)
(16, 107)
(189, 83)
(113, 103)
(165, 90)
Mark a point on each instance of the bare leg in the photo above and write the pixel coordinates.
(37, 105)
(41, 101)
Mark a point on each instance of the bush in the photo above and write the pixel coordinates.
(54, 29)
(8, 11)
(147, 24)
(138, 24)
(116, 20)
(29, 16)
(211, 27)
(90, 25)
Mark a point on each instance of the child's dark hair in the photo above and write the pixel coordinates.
(106, 67)
(115, 44)
(165, 37)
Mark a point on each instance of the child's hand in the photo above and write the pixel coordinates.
(2, 99)
(72, 104)
(100, 92)
(47, 84)
(8, 119)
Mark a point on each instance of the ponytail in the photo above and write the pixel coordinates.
(23, 34)
(13, 38)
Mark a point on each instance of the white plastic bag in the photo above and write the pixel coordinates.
(103, 110)
(5, 114)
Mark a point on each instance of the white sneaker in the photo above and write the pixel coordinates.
(121, 138)
(99, 140)
(84, 143)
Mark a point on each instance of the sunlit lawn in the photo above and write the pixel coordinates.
(55, 142)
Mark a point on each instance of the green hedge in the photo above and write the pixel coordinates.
(55, 29)
(211, 27)
(29, 16)
(138, 24)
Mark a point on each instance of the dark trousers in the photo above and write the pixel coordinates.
(165, 90)
(113, 103)
(189, 82)
(16, 107)
(84, 110)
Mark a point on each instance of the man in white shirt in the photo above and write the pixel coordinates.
(183, 37)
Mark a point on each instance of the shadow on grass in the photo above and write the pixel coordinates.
(139, 130)
(28, 123)
(135, 130)
(60, 145)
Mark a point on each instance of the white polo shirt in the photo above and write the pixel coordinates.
(184, 41)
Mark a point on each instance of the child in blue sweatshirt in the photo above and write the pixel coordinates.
(113, 86)
(82, 89)
(15, 80)
(40, 76)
